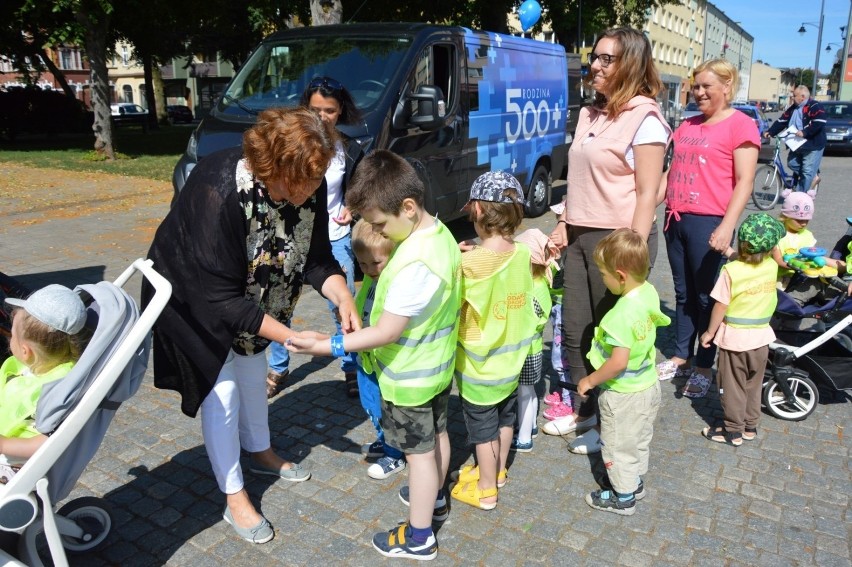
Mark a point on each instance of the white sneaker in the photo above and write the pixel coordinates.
(568, 424)
(385, 467)
(587, 443)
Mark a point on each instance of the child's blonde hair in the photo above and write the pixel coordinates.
(365, 239)
(51, 347)
(624, 249)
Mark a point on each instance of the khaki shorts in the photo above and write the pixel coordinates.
(413, 428)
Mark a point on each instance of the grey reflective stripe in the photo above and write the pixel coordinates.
(486, 382)
(745, 321)
(626, 373)
(415, 374)
(499, 350)
(431, 337)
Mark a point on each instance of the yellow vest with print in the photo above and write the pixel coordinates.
(19, 392)
(791, 243)
(419, 365)
(541, 291)
(753, 296)
(632, 323)
(487, 370)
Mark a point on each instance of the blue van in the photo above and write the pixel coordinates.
(453, 101)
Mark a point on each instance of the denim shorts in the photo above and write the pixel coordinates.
(484, 422)
(412, 429)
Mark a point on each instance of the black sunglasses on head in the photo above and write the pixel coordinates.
(325, 83)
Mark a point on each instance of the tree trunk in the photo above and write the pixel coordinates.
(95, 34)
(150, 98)
(326, 12)
(159, 93)
(58, 74)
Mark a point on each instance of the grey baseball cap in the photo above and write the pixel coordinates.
(491, 185)
(56, 306)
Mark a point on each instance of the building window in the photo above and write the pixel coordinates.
(128, 93)
(125, 57)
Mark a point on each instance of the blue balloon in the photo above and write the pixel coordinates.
(529, 13)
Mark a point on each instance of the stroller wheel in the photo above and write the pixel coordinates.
(803, 403)
(91, 515)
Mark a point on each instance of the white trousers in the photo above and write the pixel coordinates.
(235, 414)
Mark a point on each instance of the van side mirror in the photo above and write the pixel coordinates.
(430, 109)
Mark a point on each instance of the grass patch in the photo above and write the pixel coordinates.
(151, 155)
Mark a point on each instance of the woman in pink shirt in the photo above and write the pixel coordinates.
(615, 168)
(708, 185)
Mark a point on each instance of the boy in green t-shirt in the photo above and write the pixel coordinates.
(623, 355)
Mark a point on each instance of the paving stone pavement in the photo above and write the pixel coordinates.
(782, 499)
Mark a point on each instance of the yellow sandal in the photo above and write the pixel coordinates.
(470, 473)
(469, 493)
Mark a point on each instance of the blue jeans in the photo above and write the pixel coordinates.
(279, 357)
(371, 401)
(695, 267)
(805, 165)
(342, 251)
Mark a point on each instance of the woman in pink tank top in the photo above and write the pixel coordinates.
(615, 166)
(708, 185)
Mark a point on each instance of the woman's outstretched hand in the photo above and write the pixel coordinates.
(309, 342)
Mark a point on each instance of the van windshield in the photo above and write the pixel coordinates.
(278, 72)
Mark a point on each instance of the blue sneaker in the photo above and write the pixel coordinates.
(519, 447)
(385, 467)
(374, 450)
(397, 543)
(535, 432)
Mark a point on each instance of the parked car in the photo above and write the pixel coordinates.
(689, 111)
(838, 125)
(179, 114)
(125, 113)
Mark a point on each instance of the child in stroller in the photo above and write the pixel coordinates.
(48, 334)
(813, 326)
(74, 413)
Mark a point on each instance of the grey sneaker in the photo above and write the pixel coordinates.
(385, 467)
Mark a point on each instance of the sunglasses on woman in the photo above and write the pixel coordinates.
(325, 83)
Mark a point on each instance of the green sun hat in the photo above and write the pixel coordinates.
(760, 233)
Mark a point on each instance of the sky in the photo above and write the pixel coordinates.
(774, 24)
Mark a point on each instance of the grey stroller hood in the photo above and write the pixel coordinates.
(112, 313)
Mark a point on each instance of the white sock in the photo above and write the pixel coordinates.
(527, 410)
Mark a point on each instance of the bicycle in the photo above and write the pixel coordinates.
(768, 180)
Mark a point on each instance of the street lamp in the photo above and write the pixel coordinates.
(819, 42)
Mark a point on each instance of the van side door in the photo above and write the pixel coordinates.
(437, 152)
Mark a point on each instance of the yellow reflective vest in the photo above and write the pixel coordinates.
(419, 365)
(487, 370)
(753, 296)
(541, 291)
(19, 394)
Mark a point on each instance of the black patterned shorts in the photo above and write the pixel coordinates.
(531, 371)
(413, 428)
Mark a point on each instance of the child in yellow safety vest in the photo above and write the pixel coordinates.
(410, 342)
(496, 330)
(48, 336)
(623, 356)
(543, 264)
(739, 325)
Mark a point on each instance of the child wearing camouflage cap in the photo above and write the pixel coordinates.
(739, 325)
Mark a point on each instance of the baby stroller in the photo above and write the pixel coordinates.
(75, 412)
(813, 348)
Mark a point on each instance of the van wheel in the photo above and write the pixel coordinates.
(538, 196)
